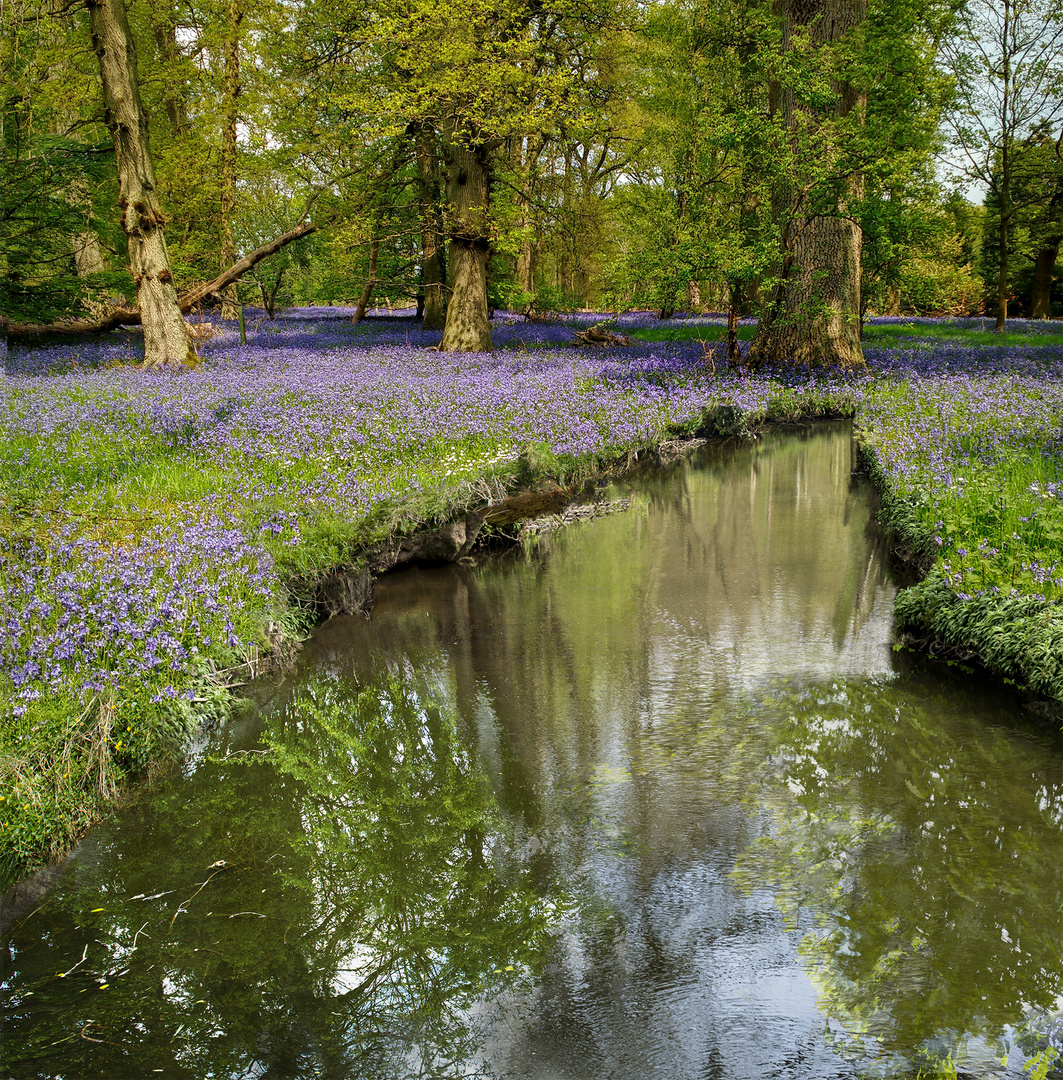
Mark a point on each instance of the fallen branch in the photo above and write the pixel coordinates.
(599, 337)
(189, 299)
(186, 301)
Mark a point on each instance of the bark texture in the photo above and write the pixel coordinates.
(813, 317)
(165, 33)
(1044, 266)
(1002, 266)
(1044, 274)
(1004, 184)
(367, 292)
(88, 259)
(467, 327)
(166, 338)
(88, 252)
(523, 159)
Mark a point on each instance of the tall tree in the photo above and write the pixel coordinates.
(474, 74)
(1035, 205)
(694, 213)
(1006, 57)
(429, 167)
(1050, 234)
(813, 317)
(854, 109)
(166, 337)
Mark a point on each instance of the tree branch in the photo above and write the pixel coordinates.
(186, 301)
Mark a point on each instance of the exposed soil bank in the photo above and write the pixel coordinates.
(540, 506)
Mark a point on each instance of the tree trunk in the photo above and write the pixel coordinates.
(1043, 276)
(521, 159)
(467, 327)
(234, 16)
(87, 249)
(1002, 273)
(370, 285)
(431, 309)
(88, 255)
(433, 313)
(269, 296)
(1047, 252)
(813, 317)
(166, 338)
(88, 259)
(165, 33)
(815, 314)
(734, 353)
(1005, 167)
(525, 271)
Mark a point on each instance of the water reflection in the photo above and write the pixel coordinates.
(333, 902)
(926, 851)
(646, 800)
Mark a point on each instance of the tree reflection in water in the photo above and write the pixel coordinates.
(541, 774)
(926, 856)
(356, 909)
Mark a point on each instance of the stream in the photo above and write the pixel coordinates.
(651, 796)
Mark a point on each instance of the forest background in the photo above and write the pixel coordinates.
(545, 156)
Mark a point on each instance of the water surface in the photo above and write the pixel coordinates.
(651, 798)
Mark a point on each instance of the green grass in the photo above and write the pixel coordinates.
(971, 479)
(701, 332)
(901, 335)
(116, 478)
(911, 334)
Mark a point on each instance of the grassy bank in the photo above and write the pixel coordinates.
(159, 533)
(971, 466)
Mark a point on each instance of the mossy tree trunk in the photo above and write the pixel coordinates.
(166, 338)
(467, 327)
(813, 317)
